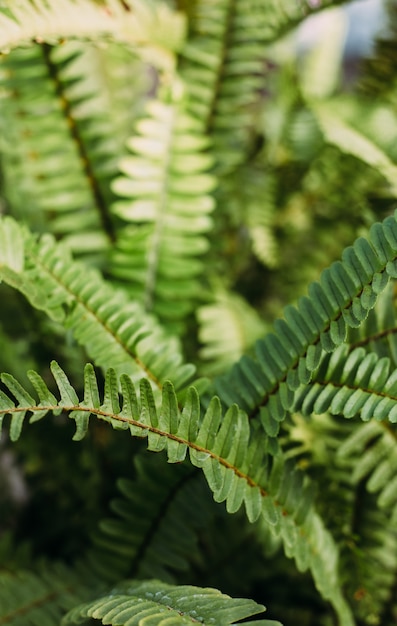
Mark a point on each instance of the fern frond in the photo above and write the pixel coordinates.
(331, 448)
(369, 564)
(350, 140)
(372, 451)
(115, 331)
(342, 134)
(378, 333)
(43, 597)
(261, 209)
(158, 603)
(222, 64)
(156, 536)
(63, 181)
(287, 358)
(227, 329)
(281, 16)
(152, 27)
(160, 521)
(167, 186)
(232, 456)
(352, 384)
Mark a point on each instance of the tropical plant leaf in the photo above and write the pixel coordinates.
(231, 454)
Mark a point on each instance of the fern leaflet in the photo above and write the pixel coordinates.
(232, 456)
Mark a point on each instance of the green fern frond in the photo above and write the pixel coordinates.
(369, 565)
(331, 448)
(280, 16)
(222, 64)
(64, 182)
(156, 536)
(43, 597)
(157, 603)
(232, 456)
(167, 186)
(341, 133)
(261, 210)
(114, 330)
(160, 522)
(287, 358)
(372, 451)
(153, 28)
(378, 333)
(351, 384)
(227, 329)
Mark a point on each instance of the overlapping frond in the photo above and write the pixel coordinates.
(160, 604)
(223, 66)
(370, 564)
(379, 69)
(228, 327)
(43, 597)
(160, 521)
(56, 162)
(114, 330)
(153, 532)
(287, 357)
(350, 384)
(281, 16)
(166, 186)
(378, 333)
(372, 451)
(331, 448)
(152, 27)
(232, 456)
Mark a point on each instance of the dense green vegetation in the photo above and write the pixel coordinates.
(198, 248)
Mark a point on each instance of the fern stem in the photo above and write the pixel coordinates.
(67, 108)
(107, 415)
(383, 334)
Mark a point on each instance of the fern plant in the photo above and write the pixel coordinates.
(171, 283)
